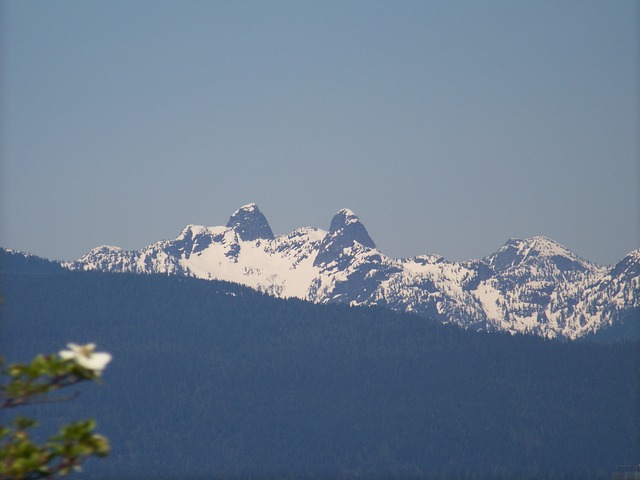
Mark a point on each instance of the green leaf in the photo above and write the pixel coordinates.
(23, 423)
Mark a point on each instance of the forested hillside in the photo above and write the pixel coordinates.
(212, 380)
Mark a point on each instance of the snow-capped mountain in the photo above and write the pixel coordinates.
(529, 285)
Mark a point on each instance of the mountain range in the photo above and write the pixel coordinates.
(532, 285)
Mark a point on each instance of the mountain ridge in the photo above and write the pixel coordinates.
(203, 370)
(532, 285)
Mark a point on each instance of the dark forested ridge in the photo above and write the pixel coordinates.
(213, 380)
(18, 262)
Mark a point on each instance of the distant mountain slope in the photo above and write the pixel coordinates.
(12, 261)
(215, 380)
(529, 285)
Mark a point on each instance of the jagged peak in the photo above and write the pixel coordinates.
(517, 251)
(344, 217)
(191, 229)
(105, 249)
(249, 223)
(345, 231)
(630, 264)
(250, 207)
(347, 223)
(542, 245)
(634, 254)
(102, 251)
(427, 258)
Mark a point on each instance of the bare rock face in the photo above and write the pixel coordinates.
(346, 231)
(250, 224)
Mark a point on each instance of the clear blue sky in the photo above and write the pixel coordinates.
(447, 126)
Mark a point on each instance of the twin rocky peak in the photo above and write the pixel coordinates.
(529, 285)
(250, 224)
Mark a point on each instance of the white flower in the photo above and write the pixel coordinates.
(85, 356)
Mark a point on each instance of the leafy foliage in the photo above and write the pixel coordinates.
(33, 382)
(22, 458)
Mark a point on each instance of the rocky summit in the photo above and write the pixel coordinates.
(249, 223)
(530, 285)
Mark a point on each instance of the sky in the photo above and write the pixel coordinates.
(448, 127)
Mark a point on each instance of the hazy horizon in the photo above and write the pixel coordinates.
(447, 127)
